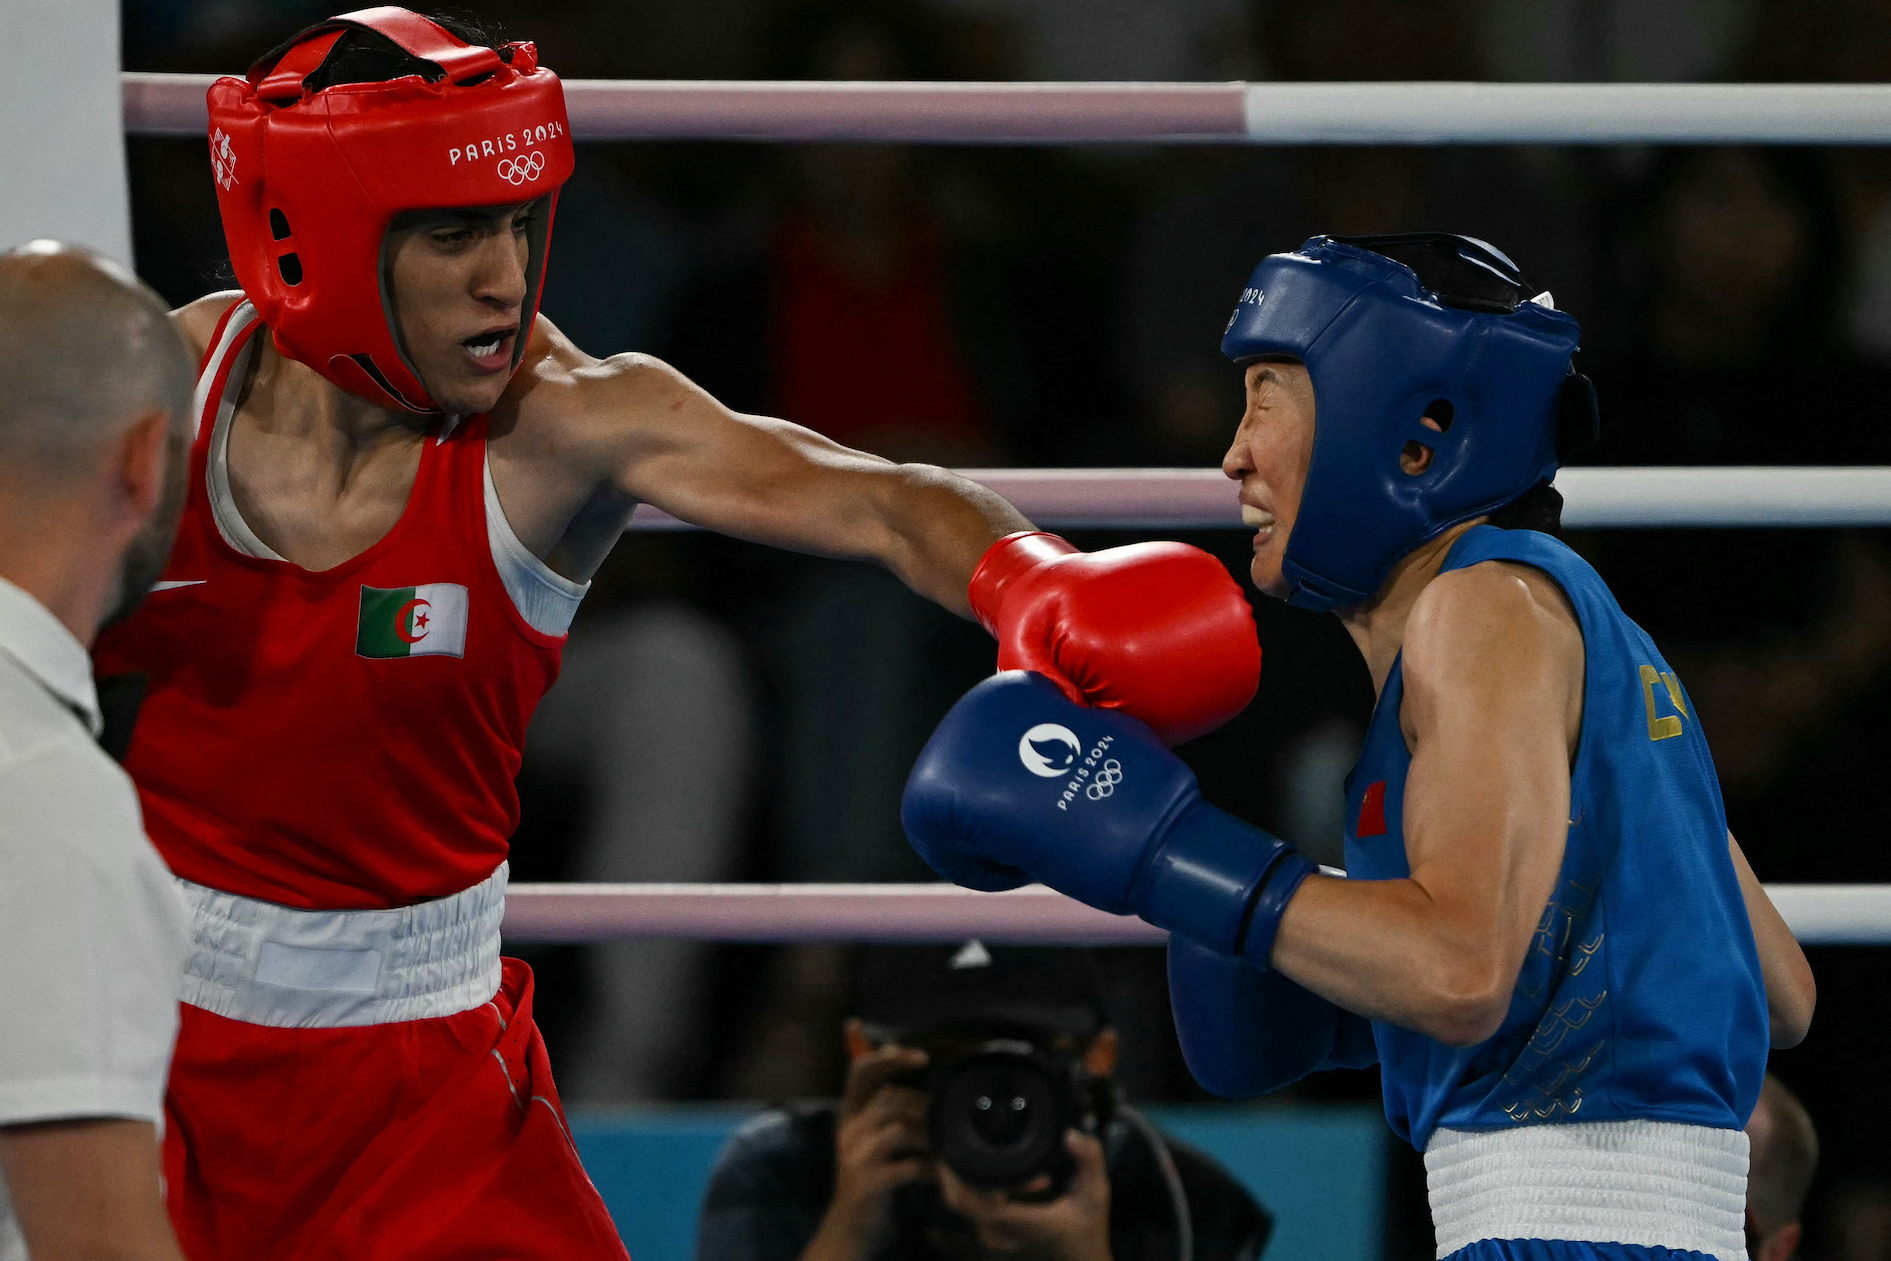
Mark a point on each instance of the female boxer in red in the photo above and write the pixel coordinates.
(401, 482)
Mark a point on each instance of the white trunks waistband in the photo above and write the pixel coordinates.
(275, 965)
(1655, 1183)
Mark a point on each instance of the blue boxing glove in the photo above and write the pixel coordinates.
(1020, 784)
(1245, 1032)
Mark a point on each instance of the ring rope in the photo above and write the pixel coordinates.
(1260, 113)
(1819, 914)
(1595, 498)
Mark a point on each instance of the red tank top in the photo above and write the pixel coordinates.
(343, 739)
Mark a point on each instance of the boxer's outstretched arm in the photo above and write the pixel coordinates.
(1790, 990)
(650, 432)
(1493, 668)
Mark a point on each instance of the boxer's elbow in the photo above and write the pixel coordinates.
(1436, 965)
(1465, 1001)
(1791, 996)
(1466, 1020)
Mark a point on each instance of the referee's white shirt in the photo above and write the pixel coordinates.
(92, 928)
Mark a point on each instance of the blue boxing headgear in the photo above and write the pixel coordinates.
(1384, 348)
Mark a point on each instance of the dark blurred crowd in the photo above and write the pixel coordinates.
(728, 713)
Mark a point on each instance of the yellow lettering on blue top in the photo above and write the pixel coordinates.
(1664, 726)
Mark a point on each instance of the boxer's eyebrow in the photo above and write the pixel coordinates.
(454, 216)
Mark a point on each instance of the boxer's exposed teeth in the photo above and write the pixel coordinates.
(487, 347)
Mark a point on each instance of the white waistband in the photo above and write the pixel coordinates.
(275, 965)
(1659, 1184)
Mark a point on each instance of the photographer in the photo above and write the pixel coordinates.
(978, 1120)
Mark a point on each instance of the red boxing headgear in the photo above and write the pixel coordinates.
(308, 182)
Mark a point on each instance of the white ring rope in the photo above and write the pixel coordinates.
(812, 912)
(1595, 498)
(1819, 914)
(1261, 113)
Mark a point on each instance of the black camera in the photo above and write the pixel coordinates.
(1000, 1107)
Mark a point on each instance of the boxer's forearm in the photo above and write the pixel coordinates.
(1389, 950)
(1790, 990)
(654, 435)
(937, 526)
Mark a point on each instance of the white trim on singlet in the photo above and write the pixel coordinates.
(547, 600)
(1657, 1184)
(283, 967)
(230, 524)
(223, 510)
(241, 316)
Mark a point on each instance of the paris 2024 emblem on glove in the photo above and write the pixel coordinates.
(1020, 783)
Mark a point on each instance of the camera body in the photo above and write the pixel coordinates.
(1001, 1102)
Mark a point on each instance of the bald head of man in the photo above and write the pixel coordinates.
(95, 393)
(1785, 1154)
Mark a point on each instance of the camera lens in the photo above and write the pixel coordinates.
(1001, 1122)
(999, 1118)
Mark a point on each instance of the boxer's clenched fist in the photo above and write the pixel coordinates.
(1157, 630)
(1019, 783)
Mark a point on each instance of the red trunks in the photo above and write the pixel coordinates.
(433, 1139)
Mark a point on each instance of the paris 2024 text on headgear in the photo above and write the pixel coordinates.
(1492, 363)
(308, 181)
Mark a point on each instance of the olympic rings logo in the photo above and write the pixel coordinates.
(1106, 781)
(521, 170)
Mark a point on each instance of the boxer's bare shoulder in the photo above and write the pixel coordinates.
(571, 432)
(1493, 638)
(571, 428)
(582, 406)
(198, 320)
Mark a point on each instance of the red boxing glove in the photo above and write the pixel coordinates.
(1157, 630)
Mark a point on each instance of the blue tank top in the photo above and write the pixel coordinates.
(1640, 997)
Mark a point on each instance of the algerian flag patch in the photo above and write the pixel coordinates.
(424, 621)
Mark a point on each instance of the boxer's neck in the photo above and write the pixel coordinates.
(289, 399)
(1378, 625)
(318, 475)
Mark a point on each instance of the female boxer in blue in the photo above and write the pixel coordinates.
(1546, 936)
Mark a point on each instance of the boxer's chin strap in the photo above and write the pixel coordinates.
(1220, 881)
